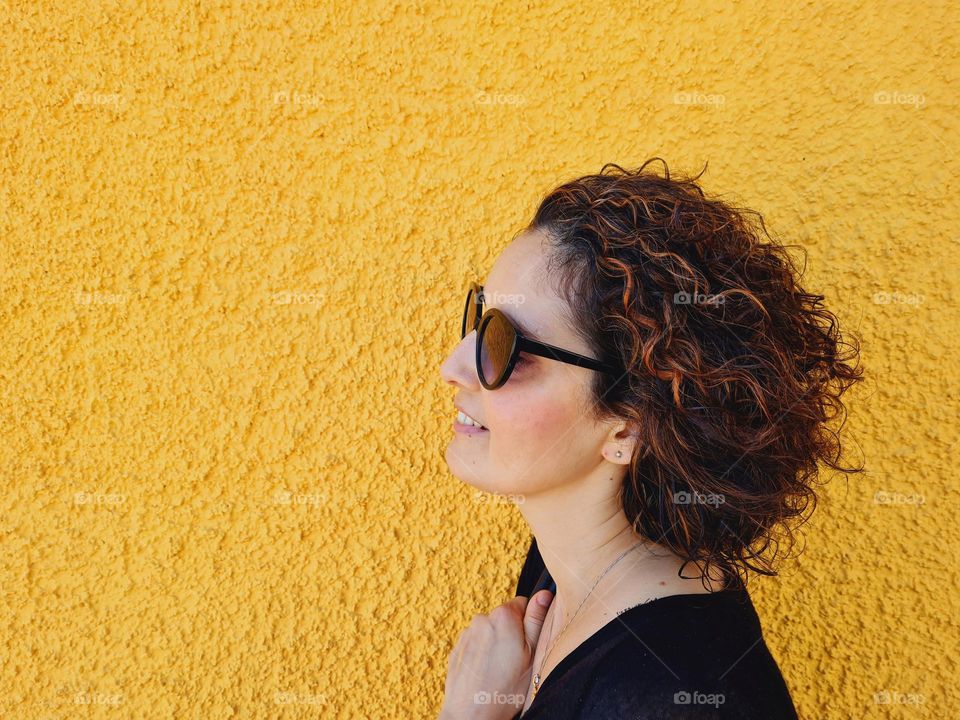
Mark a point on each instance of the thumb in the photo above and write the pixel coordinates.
(535, 614)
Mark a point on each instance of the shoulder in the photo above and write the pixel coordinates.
(689, 659)
(632, 681)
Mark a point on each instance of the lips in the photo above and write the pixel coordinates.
(468, 429)
(470, 415)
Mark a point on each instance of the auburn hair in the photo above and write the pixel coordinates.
(731, 370)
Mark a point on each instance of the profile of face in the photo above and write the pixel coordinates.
(541, 433)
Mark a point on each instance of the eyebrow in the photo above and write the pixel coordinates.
(523, 328)
(519, 324)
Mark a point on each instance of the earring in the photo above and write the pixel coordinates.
(619, 453)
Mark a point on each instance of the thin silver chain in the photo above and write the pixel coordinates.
(536, 677)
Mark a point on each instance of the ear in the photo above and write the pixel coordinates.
(623, 439)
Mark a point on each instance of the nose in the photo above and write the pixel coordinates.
(460, 367)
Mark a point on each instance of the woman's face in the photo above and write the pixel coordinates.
(540, 433)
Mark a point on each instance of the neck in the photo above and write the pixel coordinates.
(580, 530)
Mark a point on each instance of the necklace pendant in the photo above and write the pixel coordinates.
(536, 682)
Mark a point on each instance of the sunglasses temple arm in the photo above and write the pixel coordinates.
(551, 351)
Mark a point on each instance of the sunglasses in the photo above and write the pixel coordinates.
(499, 343)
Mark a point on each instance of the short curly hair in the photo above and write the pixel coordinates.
(732, 370)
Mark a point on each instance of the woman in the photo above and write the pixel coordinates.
(650, 383)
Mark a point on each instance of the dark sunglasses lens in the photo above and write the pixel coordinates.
(469, 314)
(496, 343)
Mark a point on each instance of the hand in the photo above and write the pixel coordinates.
(489, 668)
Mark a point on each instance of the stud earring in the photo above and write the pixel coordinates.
(619, 453)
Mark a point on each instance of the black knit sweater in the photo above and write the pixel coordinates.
(690, 657)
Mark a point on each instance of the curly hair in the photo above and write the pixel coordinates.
(731, 370)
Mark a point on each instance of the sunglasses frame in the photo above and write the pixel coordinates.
(521, 343)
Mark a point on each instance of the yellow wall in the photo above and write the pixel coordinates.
(235, 241)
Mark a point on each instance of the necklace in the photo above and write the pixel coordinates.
(536, 676)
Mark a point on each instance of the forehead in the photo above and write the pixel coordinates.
(518, 286)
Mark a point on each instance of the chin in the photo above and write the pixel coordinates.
(467, 475)
(481, 492)
(481, 489)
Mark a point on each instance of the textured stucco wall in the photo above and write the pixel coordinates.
(235, 240)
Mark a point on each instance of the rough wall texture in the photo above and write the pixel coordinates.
(235, 241)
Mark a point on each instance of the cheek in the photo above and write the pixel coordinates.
(532, 429)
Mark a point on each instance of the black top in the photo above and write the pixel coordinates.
(680, 657)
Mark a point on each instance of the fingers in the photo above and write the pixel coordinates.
(535, 614)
